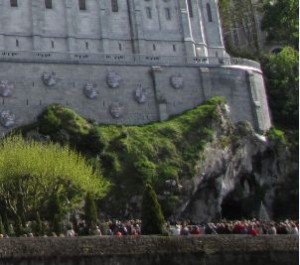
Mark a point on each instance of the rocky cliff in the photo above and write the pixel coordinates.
(202, 165)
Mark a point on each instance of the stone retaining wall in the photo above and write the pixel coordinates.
(140, 94)
(201, 250)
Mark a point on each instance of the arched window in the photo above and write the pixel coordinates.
(114, 6)
(48, 4)
(14, 3)
(190, 7)
(82, 5)
(209, 16)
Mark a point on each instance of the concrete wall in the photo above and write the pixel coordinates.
(200, 250)
(244, 90)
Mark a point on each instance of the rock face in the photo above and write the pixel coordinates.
(238, 176)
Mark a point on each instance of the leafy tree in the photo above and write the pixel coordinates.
(34, 171)
(6, 224)
(57, 224)
(2, 229)
(152, 216)
(282, 76)
(54, 206)
(281, 21)
(240, 14)
(19, 227)
(38, 226)
(90, 210)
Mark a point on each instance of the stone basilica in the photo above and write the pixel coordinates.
(121, 61)
(149, 27)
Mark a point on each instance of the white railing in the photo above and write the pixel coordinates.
(98, 58)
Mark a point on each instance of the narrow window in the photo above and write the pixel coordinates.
(17, 43)
(52, 44)
(114, 6)
(82, 5)
(154, 47)
(190, 7)
(149, 12)
(120, 46)
(48, 4)
(209, 16)
(174, 48)
(86, 45)
(14, 3)
(168, 13)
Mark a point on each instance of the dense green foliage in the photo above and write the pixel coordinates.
(240, 14)
(31, 173)
(152, 216)
(281, 21)
(131, 156)
(282, 79)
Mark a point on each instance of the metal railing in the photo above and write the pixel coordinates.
(118, 59)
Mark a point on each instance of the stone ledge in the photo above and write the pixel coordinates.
(28, 248)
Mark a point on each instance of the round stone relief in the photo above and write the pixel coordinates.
(49, 79)
(90, 91)
(7, 119)
(140, 94)
(113, 79)
(116, 110)
(6, 89)
(177, 81)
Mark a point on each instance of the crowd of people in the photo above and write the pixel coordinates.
(184, 228)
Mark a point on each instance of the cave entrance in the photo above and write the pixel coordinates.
(232, 209)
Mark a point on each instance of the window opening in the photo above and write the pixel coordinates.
(14, 3)
(149, 12)
(168, 13)
(48, 4)
(114, 6)
(209, 16)
(82, 5)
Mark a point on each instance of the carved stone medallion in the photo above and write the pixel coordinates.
(177, 81)
(140, 94)
(49, 79)
(116, 110)
(7, 119)
(6, 89)
(113, 79)
(90, 91)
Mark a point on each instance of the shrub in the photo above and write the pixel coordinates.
(152, 216)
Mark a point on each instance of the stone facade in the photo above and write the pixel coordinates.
(152, 27)
(121, 62)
